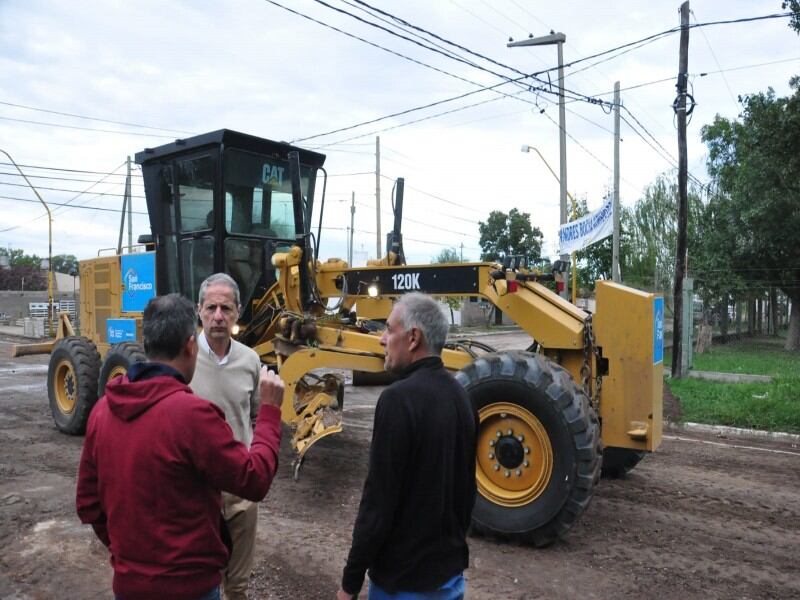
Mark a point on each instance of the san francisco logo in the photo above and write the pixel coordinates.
(133, 285)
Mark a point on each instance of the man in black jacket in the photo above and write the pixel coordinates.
(411, 528)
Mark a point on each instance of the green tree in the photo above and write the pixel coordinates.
(794, 8)
(449, 255)
(65, 263)
(509, 234)
(755, 162)
(648, 234)
(24, 271)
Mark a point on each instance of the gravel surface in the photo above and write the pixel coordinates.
(704, 517)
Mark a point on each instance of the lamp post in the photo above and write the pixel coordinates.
(526, 148)
(548, 40)
(49, 247)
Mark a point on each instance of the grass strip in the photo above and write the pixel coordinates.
(771, 406)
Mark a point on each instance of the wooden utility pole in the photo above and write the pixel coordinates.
(683, 202)
(378, 193)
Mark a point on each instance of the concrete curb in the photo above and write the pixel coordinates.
(735, 432)
(729, 377)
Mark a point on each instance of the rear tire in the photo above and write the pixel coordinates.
(72, 383)
(119, 359)
(534, 482)
(618, 462)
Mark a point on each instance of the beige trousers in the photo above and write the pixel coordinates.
(241, 516)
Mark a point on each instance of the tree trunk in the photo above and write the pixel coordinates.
(773, 310)
(751, 315)
(793, 338)
(724, 319)
(738, 318)
(759, 315)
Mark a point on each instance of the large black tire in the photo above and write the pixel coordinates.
(72, 383)
(539, 449)
(618, 462)
(118, 360)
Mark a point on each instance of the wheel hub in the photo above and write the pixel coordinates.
(515, 456)
(510, 452)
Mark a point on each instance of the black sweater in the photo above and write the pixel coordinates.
(418, 496)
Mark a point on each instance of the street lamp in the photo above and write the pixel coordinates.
(547, 40)
(49, 247)
(526, 148)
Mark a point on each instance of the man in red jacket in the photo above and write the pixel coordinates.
(154, 461)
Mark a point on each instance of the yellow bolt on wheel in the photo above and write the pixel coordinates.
(514, 456)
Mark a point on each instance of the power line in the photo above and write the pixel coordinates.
(10, 174)
(86, 128)
(66, 114)
(62, 204)
(415, 121)
(469, 51)
(434, 196)
(70, 170)
(410, 220)
(714, 56)
(51, 189)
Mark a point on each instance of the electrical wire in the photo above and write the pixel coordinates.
(66, 114)
(86, 128)
(61, 204)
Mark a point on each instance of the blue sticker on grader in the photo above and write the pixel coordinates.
(120, 330)
(138, 281)
(658, 330)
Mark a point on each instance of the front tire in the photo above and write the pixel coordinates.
(539, 450)
(618, 462)
(119, 359)
(72, 383)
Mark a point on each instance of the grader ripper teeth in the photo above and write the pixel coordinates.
(585, 397)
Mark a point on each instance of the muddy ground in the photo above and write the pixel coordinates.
(704, 517)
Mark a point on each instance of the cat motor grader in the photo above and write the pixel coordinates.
(585, 396)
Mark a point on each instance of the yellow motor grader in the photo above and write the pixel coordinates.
(585, 396)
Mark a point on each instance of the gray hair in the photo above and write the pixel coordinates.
(167, 323)
(422, 312)
(216, 278)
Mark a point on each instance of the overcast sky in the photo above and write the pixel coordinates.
(172, 69)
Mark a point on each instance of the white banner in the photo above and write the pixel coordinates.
(595, 226)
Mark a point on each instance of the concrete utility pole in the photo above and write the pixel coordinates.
(683, 203)
(352, 218)
(130, 206)
(462, 251)
(545, 40)
(378, 193)
(615, 275)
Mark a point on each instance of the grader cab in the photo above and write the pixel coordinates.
(585, 396)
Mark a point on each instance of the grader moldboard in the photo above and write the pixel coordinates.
(585, 396)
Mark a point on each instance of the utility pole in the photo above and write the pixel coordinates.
(352, 218)
(683, 203)
(462, 251)
(558, 39)
(615, 276)
(130, 206)
(378, 193)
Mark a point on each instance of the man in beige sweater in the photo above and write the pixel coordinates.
(227, 374)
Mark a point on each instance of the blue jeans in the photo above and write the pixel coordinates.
(453, 589)
(212, 594)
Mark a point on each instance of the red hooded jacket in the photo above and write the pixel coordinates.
(154, 461)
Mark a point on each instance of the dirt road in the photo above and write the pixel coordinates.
(702, 518)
